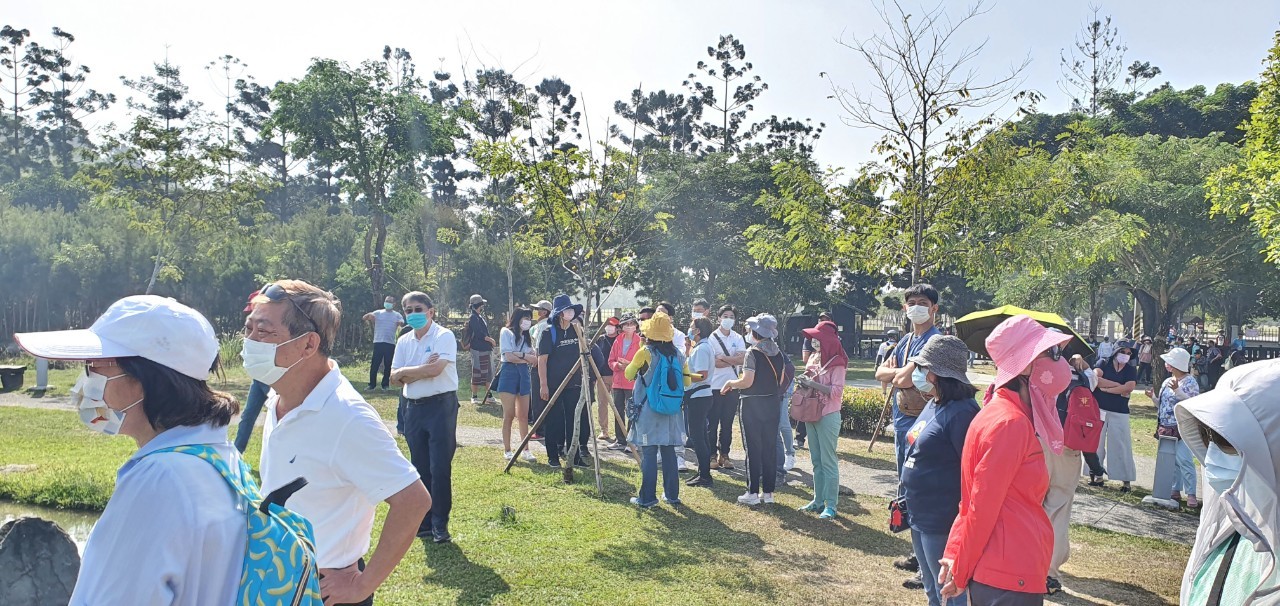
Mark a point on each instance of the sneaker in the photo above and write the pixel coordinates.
(528, 456)
(671, 502)
(508, 455)
(1165, 503)
(715, 462)
(827, 513)
(386, 389)
(698, 481)
(371, 388)
(681, 465)
(616, 446)
(1052, 586)
(636, 501)
(908, 563)
(725, 463)
(766, 497)
(749, 499)
(914, 583)
(789, 462)
(1126, 487)
(811, 507)
(473, 402)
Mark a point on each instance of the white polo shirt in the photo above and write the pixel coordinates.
(412, 351)
(338, 443)
(734, 343)
(173, 532)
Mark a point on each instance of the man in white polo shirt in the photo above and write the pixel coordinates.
(426, 365)
(320, 428)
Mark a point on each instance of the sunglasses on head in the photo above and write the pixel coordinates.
(275, 293)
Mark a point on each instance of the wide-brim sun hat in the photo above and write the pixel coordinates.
(1018, 341)
(658, 327)
(563, 302)
(944, 356)
(823, 328)
(764, 325)
(159, 329)
(1178, 358)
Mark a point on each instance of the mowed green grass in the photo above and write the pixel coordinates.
(563, 544)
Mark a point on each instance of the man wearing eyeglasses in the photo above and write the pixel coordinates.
(320, 428)
(426, 365)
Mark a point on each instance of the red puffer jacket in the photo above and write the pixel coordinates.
(1002, 536)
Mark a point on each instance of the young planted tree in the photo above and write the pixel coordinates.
(1092, 67)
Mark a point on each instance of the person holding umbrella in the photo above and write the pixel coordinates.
(1000, 546)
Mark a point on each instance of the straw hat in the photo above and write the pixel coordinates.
(658, 328)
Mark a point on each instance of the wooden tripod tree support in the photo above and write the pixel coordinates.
(888, 405)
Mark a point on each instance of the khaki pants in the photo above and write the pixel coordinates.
(1064, 476)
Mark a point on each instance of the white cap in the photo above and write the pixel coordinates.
(156, 328)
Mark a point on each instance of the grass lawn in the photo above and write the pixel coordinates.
(526, 538)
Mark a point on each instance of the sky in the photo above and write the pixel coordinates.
(606, 49)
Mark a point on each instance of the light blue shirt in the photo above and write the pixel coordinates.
(173, 532)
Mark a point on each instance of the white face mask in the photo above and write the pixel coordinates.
(525, 324)
(567, 315)
(918, 314)
(610, 330)
(1221, 469)
(697, 315)
(727, 323)
(87, 397)
(260, 360)
(815, 346)
(1122, 358)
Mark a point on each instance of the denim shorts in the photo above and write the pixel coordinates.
(514, 378)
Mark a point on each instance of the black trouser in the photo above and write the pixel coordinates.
(802, 431)
(760, 426)
(620, 406)
(431, 429)
(1094, 464)
(720, 421)
(535, 400)
(365, 602)
(695, 414)
(382, 354)
(558, 427)
(1144, 372)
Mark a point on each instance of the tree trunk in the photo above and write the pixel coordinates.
(1095, 313)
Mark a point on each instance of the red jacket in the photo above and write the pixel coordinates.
(1002, 536)
(618, 362)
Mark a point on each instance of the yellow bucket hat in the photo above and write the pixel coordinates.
(658, 328)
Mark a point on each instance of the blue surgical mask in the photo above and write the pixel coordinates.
(920, 378)
(388, 306)
(1220, 468)
(416, 320)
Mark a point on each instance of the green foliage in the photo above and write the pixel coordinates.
(860, 409)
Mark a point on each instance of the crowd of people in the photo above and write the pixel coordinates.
(985, 483)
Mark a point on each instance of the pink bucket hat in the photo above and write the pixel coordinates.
(1016, 342)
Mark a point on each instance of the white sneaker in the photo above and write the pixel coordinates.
(789, 463)
(766, 497)
(528, 456)
(750, 498)
(1165, 503)
(680, 464)
(508, 455)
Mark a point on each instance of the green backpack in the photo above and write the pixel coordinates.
(280, 557)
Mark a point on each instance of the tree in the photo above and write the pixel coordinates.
(920, 92)
(377, 131)
(660, 121)
(1251, 188)
(225, 71)
(1090, 74)
(21, 60)
(66, 103)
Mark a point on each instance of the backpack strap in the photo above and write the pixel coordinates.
(1224, 568)
(242, 483)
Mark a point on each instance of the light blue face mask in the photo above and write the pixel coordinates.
(920, 378)
(1220, 468)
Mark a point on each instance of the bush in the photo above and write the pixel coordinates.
(860, 409)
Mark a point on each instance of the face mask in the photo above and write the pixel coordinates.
(726, 323)
(1221, 469)
(260, 360)
(815, 346)
(388, 306)
(697, 315)
(87, 396)
(920, 378)
(1050, 376)
(610, 330)
(526, 324)
(629, 328)
(1122, 358)
(416, 320)
(567, 315)
(918, 314)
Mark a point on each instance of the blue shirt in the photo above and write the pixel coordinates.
(174, 532)
(1111, 402)
(901, 354)
(931, 473)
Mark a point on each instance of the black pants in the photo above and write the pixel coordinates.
(802, 431)
(1094, 464)
(535, 401)
(620, 397)
(382, 354)
(431, 429)
(720, 421)
(558, 427)
(760, 426)
(365, 602)
(695, 414)
(1144, 372)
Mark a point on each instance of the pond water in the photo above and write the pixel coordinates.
(75, 523)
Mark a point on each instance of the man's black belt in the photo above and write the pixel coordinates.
(426, 400)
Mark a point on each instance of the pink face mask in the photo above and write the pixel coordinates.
(1048, 378)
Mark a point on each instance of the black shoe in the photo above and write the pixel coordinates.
(441, 536)
(1096, 481)
(426, 534)
(1125, 488)
(579, 462)
(1052, 586)
(698, 481)
(553, 462)
(908, 563)
(914, 582)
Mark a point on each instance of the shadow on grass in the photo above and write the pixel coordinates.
(868, 462)
(1085, 591)
(450, 567)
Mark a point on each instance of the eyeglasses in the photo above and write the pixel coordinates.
(416, 310)
(275, 293)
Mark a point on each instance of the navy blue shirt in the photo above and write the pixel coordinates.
(1111, 402)
(901, 354)
(931, 473)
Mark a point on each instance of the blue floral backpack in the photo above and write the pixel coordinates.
(280, 557)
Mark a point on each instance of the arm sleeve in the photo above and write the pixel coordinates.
(997, 452)
(749, 364)
(544, 342)
(700, 361)
(368, 458)
(446, 346)
(641, 358)
(400, 358)
(507, 341)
